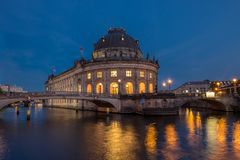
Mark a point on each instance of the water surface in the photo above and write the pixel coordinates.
(63, 134)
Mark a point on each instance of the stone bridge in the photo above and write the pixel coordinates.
(231, 103)
(151, 103)
(102, 100)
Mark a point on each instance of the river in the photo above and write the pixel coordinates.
(60, 134)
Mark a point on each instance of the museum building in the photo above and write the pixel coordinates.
(117, 67)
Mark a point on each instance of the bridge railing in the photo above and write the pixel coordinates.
(61, 93)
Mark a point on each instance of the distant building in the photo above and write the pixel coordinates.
(225, 87)
(194, 88)
(11, 89)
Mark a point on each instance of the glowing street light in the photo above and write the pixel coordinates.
(119, 84)
(234, 80)
(235, 85)
(169, 84)
(164, 85)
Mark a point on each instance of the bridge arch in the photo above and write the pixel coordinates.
(202, 103)
(82, 102)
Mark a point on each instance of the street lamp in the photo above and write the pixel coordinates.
(169, 84)
(164, 85)
(235, 85)
(119, 84)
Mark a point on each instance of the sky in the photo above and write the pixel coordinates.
(193, 40)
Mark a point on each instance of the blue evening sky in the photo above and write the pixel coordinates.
(193, 39)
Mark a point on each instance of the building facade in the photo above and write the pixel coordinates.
(194, 88)
(117, 67)
(11, 89)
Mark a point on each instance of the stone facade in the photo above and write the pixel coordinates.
(117, 67)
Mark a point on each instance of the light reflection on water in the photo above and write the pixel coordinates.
(63, 134)
(151, 141)
(171, 149)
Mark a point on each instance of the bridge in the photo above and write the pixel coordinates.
(162, 103)
(101, 100)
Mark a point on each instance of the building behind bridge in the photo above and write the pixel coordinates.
(194, 88)
(11, 88)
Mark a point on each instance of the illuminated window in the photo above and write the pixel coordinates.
(150, 88)
(101, 55)
(129, 88)
(150, 75)
(128, 73)
(89, 88)
(79, 88)
(114, 88)
(99, 74)
(142, 87)
(114, 73)
(142, 73)
(95, 55)
(99, 88)
(89, 75)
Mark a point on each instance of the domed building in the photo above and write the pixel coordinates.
(117, 67)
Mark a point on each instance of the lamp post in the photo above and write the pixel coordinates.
(169, 84)
(119, 88)
(163, 86)
(235, 86)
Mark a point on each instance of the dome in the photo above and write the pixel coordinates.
(117, 44)
(116, 38)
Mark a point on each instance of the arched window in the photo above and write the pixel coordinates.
(99, 88)
(113, 88)
(129, 88)
(79, 88)
(89, 88)
(150, 88)
(142, 88)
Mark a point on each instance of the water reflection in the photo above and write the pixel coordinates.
(190, 126)
(194, 126)
(171, 150)
(216, 129)
(87, 135)
(151, 141)
(121, 143)
(198, 123)
(236, 139)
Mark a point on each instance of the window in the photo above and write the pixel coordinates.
(95, 55)
(99, 88)
(89, 88)
(128, 73)
(114, 73)
(101, 54)
(150, 75)
(79, 88)
(129, 88)
(99, 74)
(113, 88)
(142, 88)
(142, 73)
(150, 88)
(89, 75)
